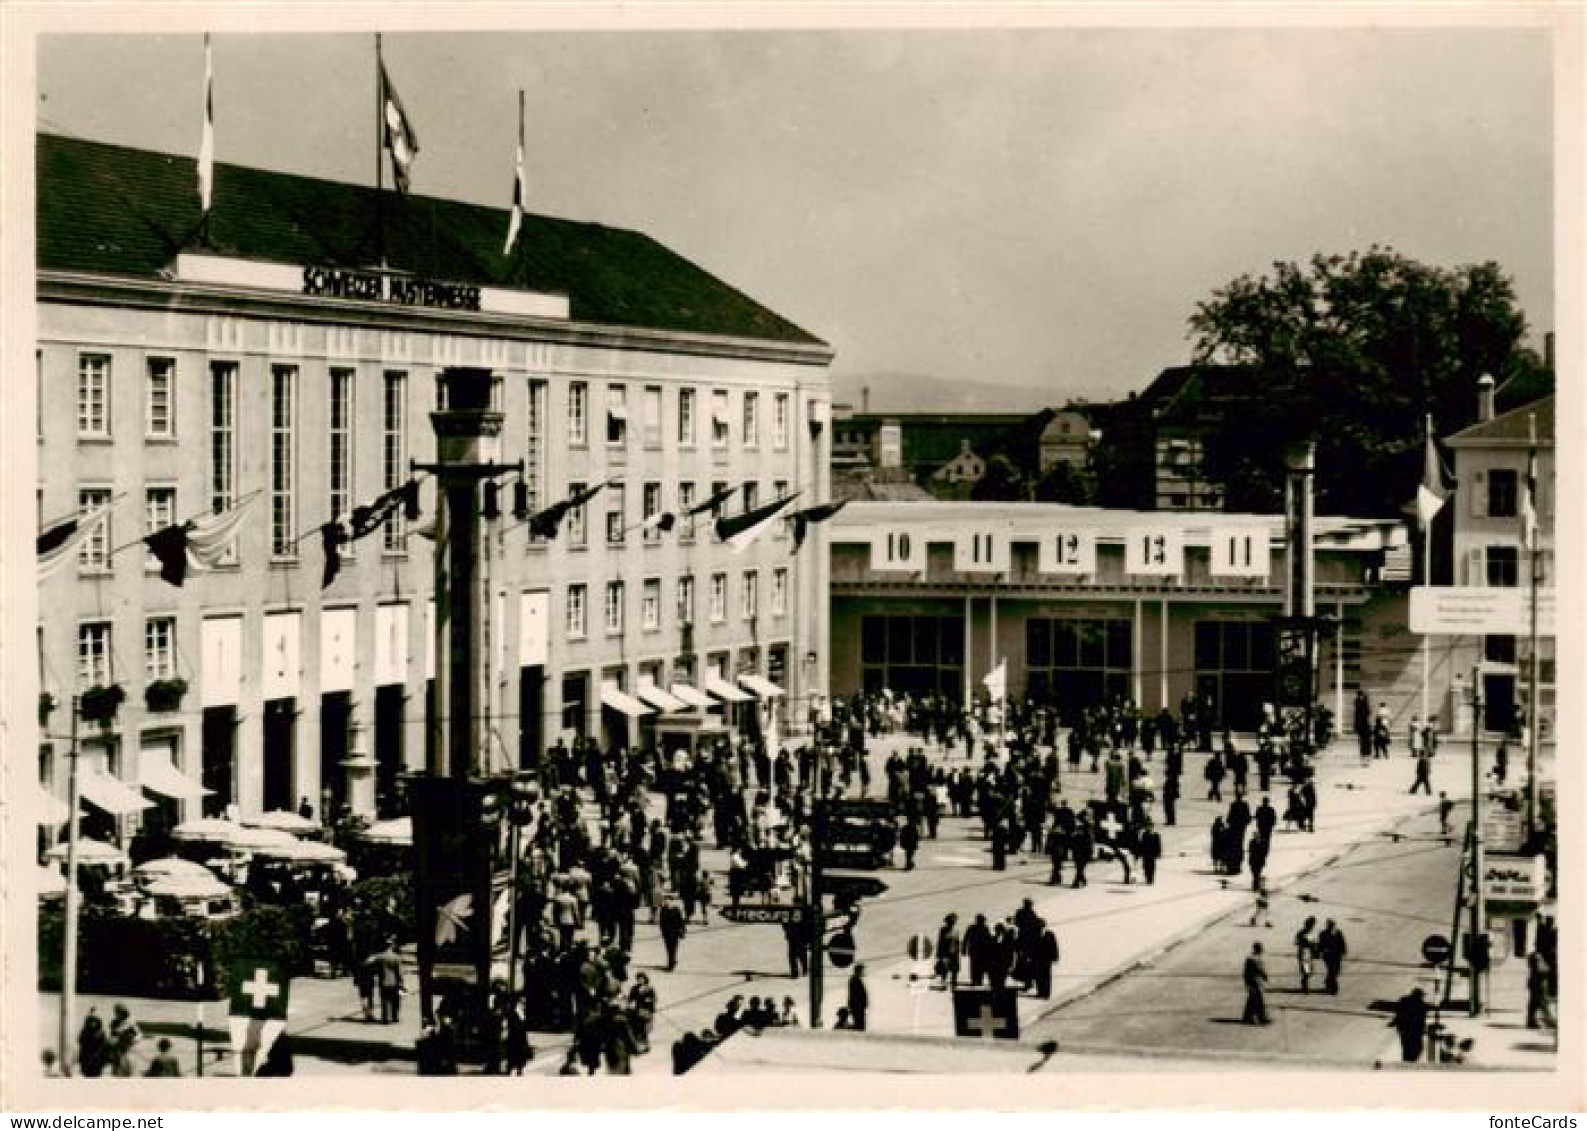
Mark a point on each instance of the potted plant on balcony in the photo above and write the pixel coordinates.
(165, 694)
(100, 703)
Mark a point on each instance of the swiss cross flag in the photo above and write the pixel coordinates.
(985, 1013)
(259, 989)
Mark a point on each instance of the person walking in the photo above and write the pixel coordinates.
(909, 841)
(1254, 975)
(1445, 808)
(1424, 769)
(1538, 1012)
(1170, 797)
(1045, 959)
(1256, 858)
(1149, 847)
(1332, 949)
(1410, 1019)
(1080, 850)
(948, 951)
(859, 997)
(387, 969)
(1305, 952)
(673, 928)
(978, 948)
(1214, 775)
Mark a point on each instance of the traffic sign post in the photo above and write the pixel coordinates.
(848, 889)
(1435, 950)
(840, 949)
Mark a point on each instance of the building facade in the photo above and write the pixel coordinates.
(1086, 605)
(1490, 465)
(260, 364)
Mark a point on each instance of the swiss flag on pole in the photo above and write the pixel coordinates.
(257, 1010)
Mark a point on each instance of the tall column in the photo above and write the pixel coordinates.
(468, 436)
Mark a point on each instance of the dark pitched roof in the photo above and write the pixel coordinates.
(1512, 426)
(1525, 387)
(110, 209)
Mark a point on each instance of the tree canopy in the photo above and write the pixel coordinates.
(1354, 351)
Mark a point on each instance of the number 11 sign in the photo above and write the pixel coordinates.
(1240, 552)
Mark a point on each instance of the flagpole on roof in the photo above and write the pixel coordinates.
(206, 150)
(380, 159)
(1427, 579)
(1534, 716)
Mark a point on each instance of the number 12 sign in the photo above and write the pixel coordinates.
(1067, 551)
(1241, 552)
(1154, 552)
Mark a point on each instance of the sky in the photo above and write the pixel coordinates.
(1035, 209)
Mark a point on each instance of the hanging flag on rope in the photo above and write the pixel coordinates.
(333, 536)
(401, 138)
(519, 190)
(1430, 495)
(368, 519)
(58, 544)
(206, 144)
(805, 519)
(996, 682)
(198, 544)
(546, 523)
(1529, 503)
(717, 499)
(661, 520)
(739, 530)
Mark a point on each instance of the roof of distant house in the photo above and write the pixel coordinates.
(1511, 428)
(113, 210)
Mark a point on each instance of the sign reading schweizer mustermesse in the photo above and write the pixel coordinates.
(377, 286)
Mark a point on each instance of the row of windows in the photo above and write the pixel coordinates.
(614, 607)
(159, 401)
(685, 418)
(96, 653)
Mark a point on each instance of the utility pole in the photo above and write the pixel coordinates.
(1476, 953)
(813, 923)
(1534, 715)
(69, 933)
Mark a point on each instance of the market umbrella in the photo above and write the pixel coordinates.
(283, 819)
(396, 831)
(214, 829)
(302, 852)
(89, 851)
(171, 867)
(256, 840)
(188, 887)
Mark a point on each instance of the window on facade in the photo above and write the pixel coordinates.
(1498, 649)
(650, 605)
(779, 592)
(159, 398)
(575, 618)
(779, 421)
(578, 413)
(721, 422)
(534, 455)
(93, 394)
(779, 490)
(751, 419)
(283, 460)
(616, 513)
(339, 473)
(652, 508)
(159, 648)
(94, 657)
(686, 599)
(575, 524)
(1503, 500)
(394, 452)
(685, 505)
(1504, 569)
(751, 595)
(617, 415)
(222, 434)
(719, 596)
(614, 606)
(652, 416)
(159, 511)
(751, 496)
(686, 418)
(93, 553)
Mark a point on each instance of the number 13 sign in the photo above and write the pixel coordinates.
(1158, 552)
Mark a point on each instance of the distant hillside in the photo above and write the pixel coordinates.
(910, 392)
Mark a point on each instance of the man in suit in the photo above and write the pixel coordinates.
(859, 997)
(1255, 978)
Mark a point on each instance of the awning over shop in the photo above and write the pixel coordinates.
(693, 696)
(619, 700)
(661, 700)
(101, 790)
(155, 772)
(51, 811)
(724, 690)
(761, 686)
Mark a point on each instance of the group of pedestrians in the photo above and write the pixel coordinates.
(1019, 950)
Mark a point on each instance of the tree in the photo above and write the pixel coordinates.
(1064, 483)
(1002, 481)
(1353, 351)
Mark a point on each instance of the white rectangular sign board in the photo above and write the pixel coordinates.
(1241, 552)
(981, 551)
(1067, 551)
(1154, 552)
(1476, 610)
(903, 550)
